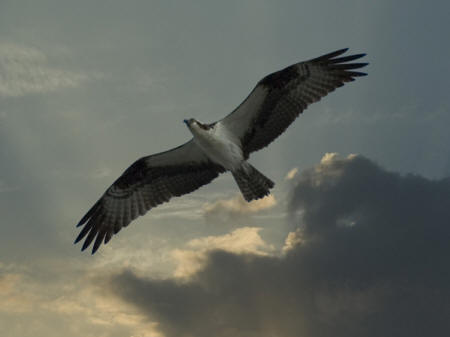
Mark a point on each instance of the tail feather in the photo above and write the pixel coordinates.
(252, 183)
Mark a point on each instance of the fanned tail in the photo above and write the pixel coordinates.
(252, 183)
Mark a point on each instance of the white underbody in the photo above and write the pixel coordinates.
(220, 145)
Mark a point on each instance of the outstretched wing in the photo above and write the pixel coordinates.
(148, 182)
(279, 98)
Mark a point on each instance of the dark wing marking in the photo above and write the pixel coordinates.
(148, 182)
(279, 98)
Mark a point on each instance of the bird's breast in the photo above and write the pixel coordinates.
(220, 147)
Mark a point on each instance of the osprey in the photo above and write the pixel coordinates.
(225, 145)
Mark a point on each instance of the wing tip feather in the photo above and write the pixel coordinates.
(86, 244)
(89, 214)
(329, 56)
(332, 58)
(356, 73)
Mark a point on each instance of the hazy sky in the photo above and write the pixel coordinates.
(354, 244)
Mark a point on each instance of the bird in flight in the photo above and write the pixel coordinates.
(225, 145)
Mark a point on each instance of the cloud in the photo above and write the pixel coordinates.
(293, 239)
(244, 240)
(369, 258)
(69, 304)
(229, 210)
(291, 174)
(25, 70)
(11, 295)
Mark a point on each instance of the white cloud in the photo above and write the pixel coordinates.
(293, 240)
(235, 208)
(55, 307)
(244, 240)
(291, 174)
(25, 70)
(330, 158)
(12, 297)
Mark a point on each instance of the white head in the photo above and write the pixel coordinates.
(194, 124)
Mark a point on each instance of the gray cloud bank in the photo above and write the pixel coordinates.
(369, 258)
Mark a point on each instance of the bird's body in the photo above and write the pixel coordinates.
(222, 147)
(275, 102)
(218, 143)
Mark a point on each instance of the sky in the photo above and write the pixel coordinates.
(353, 241)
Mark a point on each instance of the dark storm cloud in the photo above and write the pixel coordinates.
(372, 261)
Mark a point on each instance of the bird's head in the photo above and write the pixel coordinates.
(189, 122)
(193, 123)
